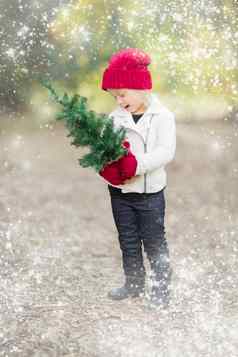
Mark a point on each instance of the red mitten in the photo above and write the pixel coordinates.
(111, 173)
(128, 163)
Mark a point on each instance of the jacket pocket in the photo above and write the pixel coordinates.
(135, 184)
(156, 180)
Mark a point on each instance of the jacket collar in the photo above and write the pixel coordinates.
(153, 108)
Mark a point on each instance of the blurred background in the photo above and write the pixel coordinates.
(193, 45)
(58, 244)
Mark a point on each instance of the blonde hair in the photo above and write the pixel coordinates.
(143, 94)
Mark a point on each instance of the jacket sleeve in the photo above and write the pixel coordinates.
(165, 150)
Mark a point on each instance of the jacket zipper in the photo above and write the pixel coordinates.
(145, 175)
(145, 147)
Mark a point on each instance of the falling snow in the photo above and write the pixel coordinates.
(58, 246)
(203, 55)
(59, 254)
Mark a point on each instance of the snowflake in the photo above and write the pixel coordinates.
(11, 52)
(80, 32)
(65, 12)
(23, 31)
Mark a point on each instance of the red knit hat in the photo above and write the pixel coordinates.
(128, 69)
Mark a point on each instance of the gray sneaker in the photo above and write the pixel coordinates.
(125, 292)
(159, 298)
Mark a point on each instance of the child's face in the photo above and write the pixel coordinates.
(130, 100)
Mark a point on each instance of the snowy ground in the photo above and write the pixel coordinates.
(59, 253)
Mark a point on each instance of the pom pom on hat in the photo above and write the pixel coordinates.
(128, 69)
(130, 58)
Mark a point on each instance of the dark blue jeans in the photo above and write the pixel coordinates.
(139, 219)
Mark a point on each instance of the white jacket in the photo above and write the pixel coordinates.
(153, 142)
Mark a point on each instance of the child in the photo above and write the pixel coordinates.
(137, 181)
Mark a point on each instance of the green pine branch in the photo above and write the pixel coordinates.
(87, 128)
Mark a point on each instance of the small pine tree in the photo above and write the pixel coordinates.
(87, 128)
